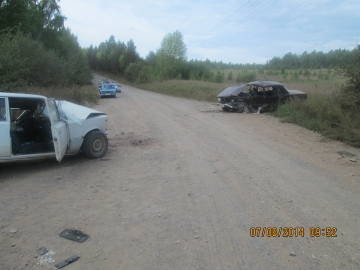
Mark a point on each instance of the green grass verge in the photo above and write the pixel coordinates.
(197, 90)
(79, 95)
(321, 113)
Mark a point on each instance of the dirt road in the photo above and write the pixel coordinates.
(181, 187)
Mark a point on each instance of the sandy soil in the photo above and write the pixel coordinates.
(181, 187)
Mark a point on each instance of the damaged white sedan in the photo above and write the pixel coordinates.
(35, 127)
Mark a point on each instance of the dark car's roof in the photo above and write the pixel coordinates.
(264, 83)
(232, 90)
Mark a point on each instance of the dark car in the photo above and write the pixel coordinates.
(256, 96)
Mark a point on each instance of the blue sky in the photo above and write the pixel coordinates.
(242, 31)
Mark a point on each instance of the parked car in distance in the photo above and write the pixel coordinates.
(108, 89)
(118, 88)
(102, 82)
(35, 127)
(266, 95)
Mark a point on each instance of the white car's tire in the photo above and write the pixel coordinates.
(95, 144)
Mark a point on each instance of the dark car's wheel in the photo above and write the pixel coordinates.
(226, 109)
(95, 144)
(242, 107)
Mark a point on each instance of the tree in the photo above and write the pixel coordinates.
(172, 53)
(151, 59)
(131, 55)
(349, 95)
(219, 77)
(174, 45)
(40, 19)
(132, 72)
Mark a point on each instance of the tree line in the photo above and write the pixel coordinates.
(167, 63)
(170, 61)
(314, 60)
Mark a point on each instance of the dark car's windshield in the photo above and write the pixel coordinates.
(233, 90)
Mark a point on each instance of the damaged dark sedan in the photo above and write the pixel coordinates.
(258, 96)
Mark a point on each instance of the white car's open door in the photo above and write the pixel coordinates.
(5, 142)
(59, 130)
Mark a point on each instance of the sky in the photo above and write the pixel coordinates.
(242, 31)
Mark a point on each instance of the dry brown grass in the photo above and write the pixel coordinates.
(75, 94)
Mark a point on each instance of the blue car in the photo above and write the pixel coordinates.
(108, 90)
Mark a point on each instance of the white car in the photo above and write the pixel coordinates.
(36, 127)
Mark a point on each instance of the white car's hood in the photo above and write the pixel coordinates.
(76, 113)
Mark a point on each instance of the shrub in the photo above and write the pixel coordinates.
(295, 76)
(146, 74)
(349, 94)
(272, 72)
(323, 114)
(132, 72)
(249, 77)
(246, 77)
(219, 77)
(26, 62)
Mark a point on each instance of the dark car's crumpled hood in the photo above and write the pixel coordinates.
(232, 91)
(296, 92)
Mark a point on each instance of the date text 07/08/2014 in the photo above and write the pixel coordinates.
(292, 232)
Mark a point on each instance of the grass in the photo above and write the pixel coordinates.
(197, 90)
(321, 113)
(79, 95)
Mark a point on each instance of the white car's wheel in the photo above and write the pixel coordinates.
(95, 144)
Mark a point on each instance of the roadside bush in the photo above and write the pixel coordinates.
(76, 94)
(146, 74)
(323, 114)
(219, 77)
(295, 76)
(24, 61)
(132, 72)
(272, 72)
(194, 74)
(307, 73)
(349, 95)
(246, 77)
